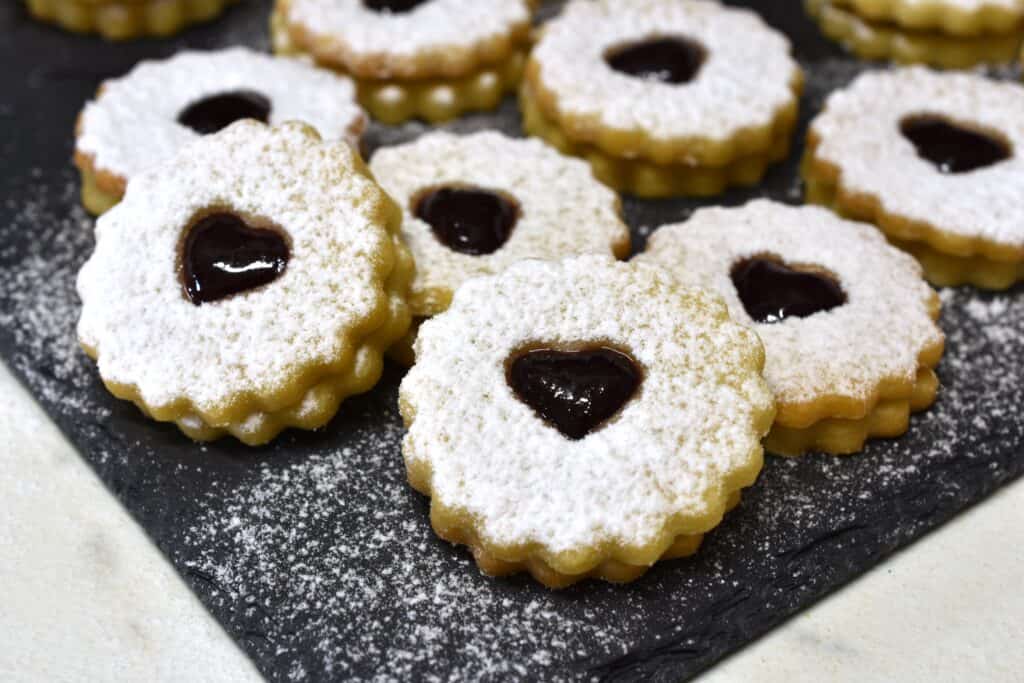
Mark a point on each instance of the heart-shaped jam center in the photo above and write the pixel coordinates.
(665, 60)
(223, 255)
(574, 391)
(771, 291)
(216, 112)
(950, 148)
(468, 220)
(393, 6)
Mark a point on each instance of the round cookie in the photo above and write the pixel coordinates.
(870, 39)
(247, 285)
(663, 97)
(949, 17)
(847, 322)
(475, 204)
(125, 19)
(429, 59)
(587, 431)
(149, 114)
(931, 159)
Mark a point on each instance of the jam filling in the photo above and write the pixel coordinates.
(223, 255)
(216, 112)
(950, 148)
(393, 6)
(575, 392)
(665, 60)
(771, 291)
(468, 220)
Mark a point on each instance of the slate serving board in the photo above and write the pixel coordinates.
(316, 556)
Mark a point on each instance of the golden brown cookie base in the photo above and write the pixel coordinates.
(947, 259)
(611, 570)
(649, 179)
(393, 101)
(447, 63)
(756, 142)
(870, 40)
(312, 396)
(935, 16)
(888, 418)
(618, 564)
(126, 19)
(96, 199)
(402, 351)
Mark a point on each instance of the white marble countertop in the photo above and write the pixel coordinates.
(85, 596)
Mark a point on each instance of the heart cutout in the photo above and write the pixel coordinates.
(217, 112)
(575, 392)
(468, 220)
(393, 6)
(772, 291)
(950, 148)
(662, 60)
(223, 255)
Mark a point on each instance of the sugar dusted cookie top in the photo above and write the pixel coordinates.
(663, 465)
(134, 122)
(555, 208)
(741, 77)
(163, 328)
(878, 334)
(859, 134)
(380, 39)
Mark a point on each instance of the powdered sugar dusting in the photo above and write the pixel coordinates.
(133, 122)
(676, 449)
(859, 133)
(742, 83)
(878, 334)
(148, 334)
(551, 191)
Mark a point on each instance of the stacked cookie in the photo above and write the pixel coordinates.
(412, 58)
(660, 97)
(569, 414)
(124, 19)
(943, 33)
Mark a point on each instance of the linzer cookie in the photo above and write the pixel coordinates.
(582, 418)
(847, 321)
(247, 285)
(475, 205)
(931, 159)
(663, 97)
(942, 34)
(428, 59)
(124, 19)
(146, 116)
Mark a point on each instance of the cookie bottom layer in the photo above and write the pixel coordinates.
(319, 403)
(95, 198)
(997, 269)
(648, 179)
(126, 19)
(873, 40)
(433, 99)
(889, 418)
(611, 570)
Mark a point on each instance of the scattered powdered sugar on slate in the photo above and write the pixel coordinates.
(326, 565)
(319, 559)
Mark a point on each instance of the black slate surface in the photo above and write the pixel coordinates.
(315, 555)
